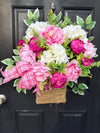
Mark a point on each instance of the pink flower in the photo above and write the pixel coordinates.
(40, 71)
(20, 42)
(58, 80)
(47, 86)
(34, 46)
(26, 54)
(77, 46)
(87, 62)
(73, 71)
(53, 34)
(89, 50)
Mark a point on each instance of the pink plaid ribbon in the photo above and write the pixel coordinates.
(25, 70)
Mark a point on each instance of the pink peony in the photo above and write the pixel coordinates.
(20, 42)
(40, 71)
(34, 46)
(53, 34)
(73, 71)
(58, 80)
(26, 54)
(77, 46)
(89, 50)
(87, 62)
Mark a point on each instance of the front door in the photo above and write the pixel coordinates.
(20, 113)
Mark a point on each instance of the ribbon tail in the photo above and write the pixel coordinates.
(9, 75)
(37, 89)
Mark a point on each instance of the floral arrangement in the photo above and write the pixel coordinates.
(52, 54)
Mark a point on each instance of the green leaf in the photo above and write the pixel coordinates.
(80, 21)
(36, 15)
(16, 58)
(94, 64)
(91, 38)
(26, 40)
(67, 20)
(82, 86)
(89, 19)
(91, 25)
(80, 56)
(18, 89)
(53, 17)
(9, 67)
(71, 84)
(71, 55)
(96, 55)
(16, 52)
(98, 64)
(85, 71)
(28, 22)
(75, 90)
(24, 90)
(74, 23)
(16, 82)
(80, 92)
(58, 17)
(8, 61)
(59, 24)
(30, 14)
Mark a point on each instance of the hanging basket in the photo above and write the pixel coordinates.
(52, 96)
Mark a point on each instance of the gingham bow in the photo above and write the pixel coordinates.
(25, 70)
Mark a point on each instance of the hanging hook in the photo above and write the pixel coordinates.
(66, 13)
(53, 6)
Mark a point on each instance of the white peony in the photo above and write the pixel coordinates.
(56, 54)
(72, 32)
(39, 27)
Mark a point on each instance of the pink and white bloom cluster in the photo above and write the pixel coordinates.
(88, 49)
(51, 56)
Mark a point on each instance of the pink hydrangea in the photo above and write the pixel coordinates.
(20, 42)
(34, 46)
(53, 34)
(89, 50)
(41, 71)
(77, 46)
(58, 80)
(26, 54)
(73, 71)
(87, 62)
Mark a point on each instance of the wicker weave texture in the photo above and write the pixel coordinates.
(52, 96)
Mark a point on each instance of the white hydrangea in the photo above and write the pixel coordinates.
(56, 54)
(38, 26)
(72, 32)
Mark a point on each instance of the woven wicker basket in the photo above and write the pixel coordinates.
(52, 96)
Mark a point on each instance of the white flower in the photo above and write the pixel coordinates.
(56, 54)
(39, 27)
(72, 32)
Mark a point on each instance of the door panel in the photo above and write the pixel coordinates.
(20, 114)
(19, 14)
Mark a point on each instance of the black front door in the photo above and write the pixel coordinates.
(20, 114)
